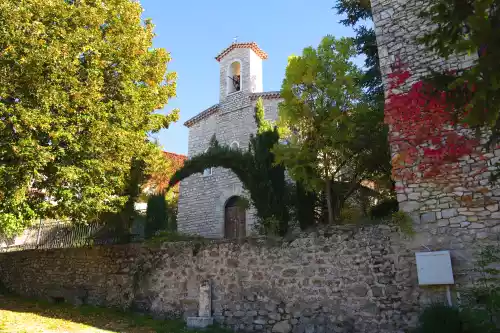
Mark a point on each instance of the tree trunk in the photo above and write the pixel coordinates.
(329, 202)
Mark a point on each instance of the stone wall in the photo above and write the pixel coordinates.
(462, 202)
(341, 280)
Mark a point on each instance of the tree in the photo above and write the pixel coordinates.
(159, 177)
(79, 86)
(469, 26)
(256, 168)
(365, 42)
(334, 140)
(156, 215)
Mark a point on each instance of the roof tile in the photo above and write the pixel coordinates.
(252, 45)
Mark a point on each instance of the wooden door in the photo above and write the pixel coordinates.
(234, 220)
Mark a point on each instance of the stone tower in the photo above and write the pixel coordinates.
(243, 61)
(207, 202)
(466, 205)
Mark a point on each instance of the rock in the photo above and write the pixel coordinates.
(443, 223)
(259, 321)
(274, 316)
(289, 272)
(495, 215)
(482, 235)
(401, 197)
(492, 208)
(239, 314)
(233, 263)
(476, 226)
(409, 206)
(414, 196)
(447, 213)
(282, 327)
(428, 217)
(458, 219)
(359, 290)
(491, 223)
(377, 291)
(309, 328)
(270, 307)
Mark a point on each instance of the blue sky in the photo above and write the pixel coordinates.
(194, 32)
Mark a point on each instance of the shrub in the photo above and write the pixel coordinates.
(350, 215)
(482, 298)
(439, 318)
(404, 222)
(172, 236)
(384, 209)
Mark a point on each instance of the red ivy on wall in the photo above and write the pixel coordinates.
(423, 132)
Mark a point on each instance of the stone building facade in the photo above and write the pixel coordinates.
(205, 199)
(462, 203)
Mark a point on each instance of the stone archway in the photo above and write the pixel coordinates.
(234, 219)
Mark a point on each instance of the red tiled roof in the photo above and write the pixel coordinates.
(202, 115)
(253, 46)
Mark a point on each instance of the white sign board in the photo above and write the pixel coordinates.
(434, 268)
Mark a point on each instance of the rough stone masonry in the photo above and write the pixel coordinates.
(346, 279)
(466, 204)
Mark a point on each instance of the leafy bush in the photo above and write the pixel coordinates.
(482, 299)
(403, 221)
(350, 215)
(439, 318)
(384, 209)
(172, 236)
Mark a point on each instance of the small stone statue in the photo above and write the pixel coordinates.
(205, 306)
(204, 318)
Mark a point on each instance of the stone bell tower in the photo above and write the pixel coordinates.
(240, 69)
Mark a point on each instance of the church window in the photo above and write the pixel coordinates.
(234, 77)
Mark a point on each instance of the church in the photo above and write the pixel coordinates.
(208, 202)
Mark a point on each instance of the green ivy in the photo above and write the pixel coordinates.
(256, 169)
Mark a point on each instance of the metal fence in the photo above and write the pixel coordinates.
(50, 234)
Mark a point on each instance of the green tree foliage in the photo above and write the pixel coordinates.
(257, 170)
(156, 215)
(333, 139)
(469, 26)
(366, 44)
(79, 84)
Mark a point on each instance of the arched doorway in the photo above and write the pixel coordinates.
(234, 218)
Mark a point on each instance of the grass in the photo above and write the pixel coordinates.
(19, 315)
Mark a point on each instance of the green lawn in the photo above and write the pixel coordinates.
(26, 316)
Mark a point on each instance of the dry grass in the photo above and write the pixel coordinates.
(25, 316)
